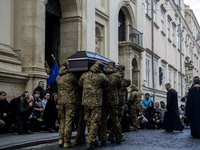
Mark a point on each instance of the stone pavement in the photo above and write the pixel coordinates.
(143, 140)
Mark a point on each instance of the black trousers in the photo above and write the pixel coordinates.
(22, 126)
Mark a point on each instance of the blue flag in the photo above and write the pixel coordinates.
(54, 72)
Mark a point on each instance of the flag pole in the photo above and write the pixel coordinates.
(53, 57)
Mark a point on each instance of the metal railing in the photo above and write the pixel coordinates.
(135, 36)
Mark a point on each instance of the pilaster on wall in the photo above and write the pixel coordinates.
(33, 41)
(70, 28)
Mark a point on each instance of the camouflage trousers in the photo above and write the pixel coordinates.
(93, 117)
(134, 117)
(81, 123)
(120, 115)
(112, 112)
(67, 114)
(2, 123)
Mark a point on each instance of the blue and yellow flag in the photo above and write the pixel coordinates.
(54, 72)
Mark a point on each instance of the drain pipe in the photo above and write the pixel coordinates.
(180, 34)
(153, 77)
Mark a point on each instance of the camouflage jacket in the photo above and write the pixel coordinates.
(122, 91)
(66, 83)
(93, 83)
(111, 94)
(135, 98)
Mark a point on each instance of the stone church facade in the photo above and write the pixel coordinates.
(32, 30)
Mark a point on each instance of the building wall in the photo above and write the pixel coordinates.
(93, 25)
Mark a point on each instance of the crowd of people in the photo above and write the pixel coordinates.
(29, 113)
(97, 99)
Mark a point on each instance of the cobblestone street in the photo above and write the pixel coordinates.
(144, 140)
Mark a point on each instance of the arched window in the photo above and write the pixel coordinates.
(122, 26)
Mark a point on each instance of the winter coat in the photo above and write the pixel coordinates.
(24, 110)
(145, 102)
(37, 105)
(4, 108)
(135, 101)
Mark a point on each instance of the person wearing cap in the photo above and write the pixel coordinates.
(145, 102)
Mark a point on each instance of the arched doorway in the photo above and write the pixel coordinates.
(135, 72)
(52, 36)
(52, 31)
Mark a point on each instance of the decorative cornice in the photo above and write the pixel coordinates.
(155, 25)
(169, 18)
(163, 8)
(169, 40)
(151, 53)
(148, 17)
(170, 66)
(71, 19)
(101, 14)
(163, 33)
(164, 62)
(174, 45)
(174, 24)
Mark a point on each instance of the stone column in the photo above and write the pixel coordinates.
(33, 41)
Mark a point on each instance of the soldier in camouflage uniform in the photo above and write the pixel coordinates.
(122, 94)
(67, 104)
(81, 123)
(93, 83)
(135, 105)
(110, 106)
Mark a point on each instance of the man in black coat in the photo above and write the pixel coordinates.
(192, 108)
(4, 112)
(172, 118)
(24, 114)
(40, 88)
(14, 103)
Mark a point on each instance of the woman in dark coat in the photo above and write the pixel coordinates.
(51, 113)
(152, 115)
(172, 119)
(192, 109)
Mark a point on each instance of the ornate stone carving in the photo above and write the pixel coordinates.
(98, 46)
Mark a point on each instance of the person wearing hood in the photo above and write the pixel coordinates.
(110, 106)
(93, 82)
(145, 102)
(135, 105)
(122, 94)
(66, 82)
(192, 109)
